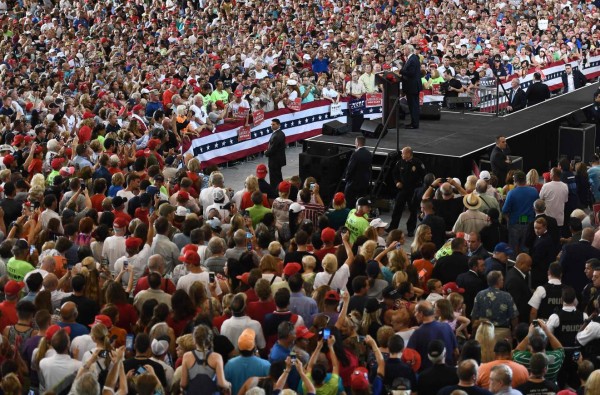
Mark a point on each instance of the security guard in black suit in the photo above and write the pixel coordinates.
(538, 91)
(408, 175)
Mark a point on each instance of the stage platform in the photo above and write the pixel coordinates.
(450, 146)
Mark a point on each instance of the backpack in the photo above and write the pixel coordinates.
(204, 382)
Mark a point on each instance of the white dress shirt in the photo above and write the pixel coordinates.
(233, 327)
(54, 369)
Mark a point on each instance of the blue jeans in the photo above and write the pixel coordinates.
(516, 237)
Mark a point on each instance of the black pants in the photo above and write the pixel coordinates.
(275, 176)
(412, 100)
(403, 198)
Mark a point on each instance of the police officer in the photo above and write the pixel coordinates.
(408, 175)
(547, 298)
(590, 292)
(589, 336)
(565, 323)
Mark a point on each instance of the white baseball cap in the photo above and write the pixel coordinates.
(485, 175)
(378, 223)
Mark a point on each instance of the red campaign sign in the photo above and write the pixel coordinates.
(374, 99)
(295, 104)
(242, 112)
(244, 133)
(421, 97)
(258, 117)
(435, 89)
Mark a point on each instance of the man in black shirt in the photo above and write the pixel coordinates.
(358, 301)
(452, 87)
(12, 208)
(86, 307)
(536, 383)
(439, 375)
(143, 352)
(408, 175)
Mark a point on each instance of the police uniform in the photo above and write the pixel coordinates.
(410, 173)
(566, 323)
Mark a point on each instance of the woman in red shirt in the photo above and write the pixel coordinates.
(128, 316)
(183, 311)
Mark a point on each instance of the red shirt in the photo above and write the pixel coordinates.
(179, 325)
(320, 254)
(128, 316)
(166, 285)
(9, 314)
(97, 200)
(247, 201)
(142, 214)
(258, 310)
(251, 295)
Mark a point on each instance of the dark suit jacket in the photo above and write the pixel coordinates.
(572, 260)
(472, 283)
(537, 93)
(518, 288)
(438, 229)
(579, 80)
(276, 149)
(552, 229)
(411, 75)
(449, 267)
(519, 101)
(499, 166)
(543, 253)
(358, 172)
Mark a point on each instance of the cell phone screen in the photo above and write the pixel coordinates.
(211, 277)
(129, 342)
(326, 333)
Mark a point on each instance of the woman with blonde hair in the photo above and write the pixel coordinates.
(422, 236)
(251, 185)
(101, 337)
(533, 179)
(11, 385)
(203, 360)
(371, 318)
(485, 337)
(592, 385)
(332, 276)
(367, 250)
(371, 234)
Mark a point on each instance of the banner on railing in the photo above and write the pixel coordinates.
(373, 99)
(235, 141)
(258, 117)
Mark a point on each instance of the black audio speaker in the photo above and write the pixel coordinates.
(372, 128)
(431, 111)
(575, 119)
(328, 170)
(577, 142)
(335, 128)
(355, 121)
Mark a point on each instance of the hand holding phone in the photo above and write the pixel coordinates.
(211, 277)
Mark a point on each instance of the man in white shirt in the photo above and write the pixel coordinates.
(133, 185)
(216, 180)
(233, 327)
(154, 292)
(555, 193)
(51, 204)
(368, 79)
(191, 259)
(138, 260)
(55, 369)
(114, 246)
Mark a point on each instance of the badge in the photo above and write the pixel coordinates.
(414, 168)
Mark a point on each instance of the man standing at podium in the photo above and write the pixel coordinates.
(411, 84)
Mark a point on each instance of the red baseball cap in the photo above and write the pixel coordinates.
(19, 138)
(102, 319)
(56, 163)
(284, 186)
(339, 198)
(51, 331)
(133, 242)
(327, 235)
(244, 277)
(13, 287)
(261, 171)
(291, 268)
(332, 295)
(119, 223)
(303, 332)
(191, 258)
(452, 287)
(9, 160)
(359, 381)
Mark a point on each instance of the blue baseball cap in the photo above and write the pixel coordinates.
(503, 247)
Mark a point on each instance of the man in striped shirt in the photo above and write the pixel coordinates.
(536, 342)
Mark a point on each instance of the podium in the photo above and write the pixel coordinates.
(391, 90)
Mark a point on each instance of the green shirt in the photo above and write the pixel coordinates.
(329, 387)
(555, 361)
(223, 95)
(50, 178)
(257, 213)
(17, 269)
(356, 225)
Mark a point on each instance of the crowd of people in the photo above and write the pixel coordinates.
(128, 267)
